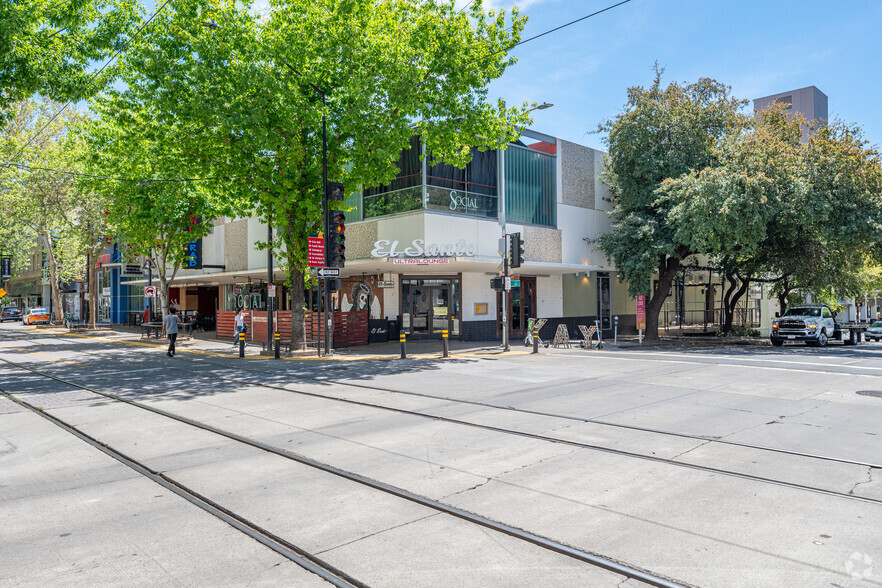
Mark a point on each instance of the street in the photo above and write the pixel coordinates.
(705, 466)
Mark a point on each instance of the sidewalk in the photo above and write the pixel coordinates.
(208, 343)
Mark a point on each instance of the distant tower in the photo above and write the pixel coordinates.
(809, 102)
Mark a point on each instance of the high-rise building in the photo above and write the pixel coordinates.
(809, 102)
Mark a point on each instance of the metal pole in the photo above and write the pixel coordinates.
(278, 342)
(444, 344)
(535, 340)
(505, 282)
(402, 336)
(269, 283)
(325, 220)
(241, 344)
(320, 303)
(150, 277)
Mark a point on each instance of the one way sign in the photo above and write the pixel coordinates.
(329, 272)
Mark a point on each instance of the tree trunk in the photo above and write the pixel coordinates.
(93, 292)
(731, 302)
(54, 289)
(782, 296)
(298, 304)
(668, 269)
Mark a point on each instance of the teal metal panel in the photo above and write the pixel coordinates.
(530, 186)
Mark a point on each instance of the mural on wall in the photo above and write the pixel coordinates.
(360, 294)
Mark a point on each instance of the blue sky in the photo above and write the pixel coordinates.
(758, 48)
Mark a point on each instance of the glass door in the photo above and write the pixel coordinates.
(521, 306)
(441, 310)
(420, 310)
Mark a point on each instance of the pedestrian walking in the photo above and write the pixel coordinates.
(170, 325)
(241, 327)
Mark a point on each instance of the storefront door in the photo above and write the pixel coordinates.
(427, 309)
(521, 306)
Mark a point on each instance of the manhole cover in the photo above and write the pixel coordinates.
(873, 393)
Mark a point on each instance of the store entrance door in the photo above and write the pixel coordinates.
(521, 306)
(429, 308)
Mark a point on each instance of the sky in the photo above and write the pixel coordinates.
(756, 47)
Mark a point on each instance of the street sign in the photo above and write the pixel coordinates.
(271, 291)
(5, 268)
(149, 291)
(315, 252)
(328, 272)
(641, 312)
(515, 283)
(382, 284)
(2, 293)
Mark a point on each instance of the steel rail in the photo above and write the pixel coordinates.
(297, 555)
(536, 436)
(543, 542)
(571, 418)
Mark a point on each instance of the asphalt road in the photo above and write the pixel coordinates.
(655, 459)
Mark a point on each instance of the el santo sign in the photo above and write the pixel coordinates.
(419, 248)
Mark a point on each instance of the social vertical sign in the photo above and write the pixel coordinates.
(641, 312)
(315, 254)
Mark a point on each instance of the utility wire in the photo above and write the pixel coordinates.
(353, 109)
(95, 75)
(116, 178)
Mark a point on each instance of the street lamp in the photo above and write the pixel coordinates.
(504, 240)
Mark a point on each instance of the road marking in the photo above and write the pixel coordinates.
(739, 365)
(46, 355)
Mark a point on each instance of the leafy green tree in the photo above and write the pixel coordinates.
(662, 134)
(143, 192)
(40, 199)
(255, 92)
(48, 47)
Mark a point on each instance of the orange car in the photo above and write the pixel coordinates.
(36, 315)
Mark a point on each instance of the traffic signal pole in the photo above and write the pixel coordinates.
(327, 292)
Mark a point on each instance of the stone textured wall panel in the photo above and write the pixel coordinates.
(360, 240)
(542, 244)
(577, 174)
(236, 245)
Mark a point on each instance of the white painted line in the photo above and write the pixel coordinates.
(736, 365)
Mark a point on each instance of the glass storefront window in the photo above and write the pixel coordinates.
(430, 306)
(245, 296)
(403, 200)
(468, 203)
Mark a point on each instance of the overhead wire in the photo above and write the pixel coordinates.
(94, 76)
(355, 108)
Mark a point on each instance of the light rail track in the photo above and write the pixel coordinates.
(502, 430)
(297, 555)
(594, 559)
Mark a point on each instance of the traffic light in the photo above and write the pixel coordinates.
(333, 284)
(516, 250)
(335, 254)
(497, 283)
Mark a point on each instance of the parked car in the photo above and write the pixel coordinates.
(874, 331)
(36, 315)
(10, 313)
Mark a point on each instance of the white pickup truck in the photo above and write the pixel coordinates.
(814, 324)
